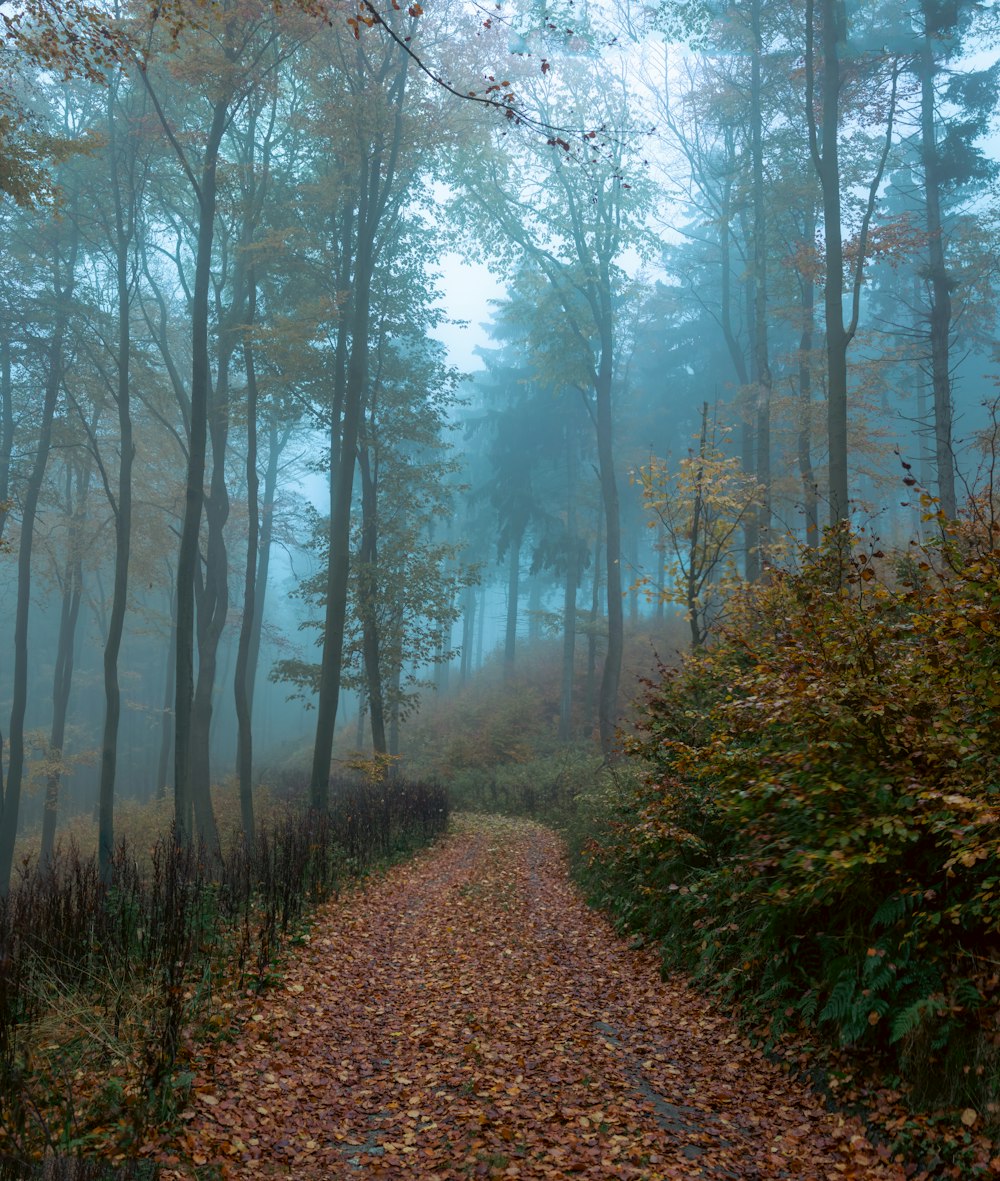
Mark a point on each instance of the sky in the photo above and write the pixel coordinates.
(467, 288)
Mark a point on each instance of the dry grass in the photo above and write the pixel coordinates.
(141, 824)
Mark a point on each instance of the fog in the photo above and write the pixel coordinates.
(344, 363)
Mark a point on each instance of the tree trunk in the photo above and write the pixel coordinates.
(481, 626)
(63, 283)
(762, 364)
(513, 592)
(62, 683)
(340, 533)
(122, 508)
(468, 632)
(367, 591)
(695, 570)
(166, 722)
(188, 558)
(394, 719)
(751, 539)
(827, 159)
(569, 596)
(377, 185)
(824, 148)
(534, 609)
(276, 444)
(939, 283)
(6, 427)
(241, 682)
(329, 686)
(607, 702)
(804, 434)
(590, 692)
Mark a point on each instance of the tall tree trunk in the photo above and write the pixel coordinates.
(6, 451)
(188, 558)
(534, 609)
(826, 153)
(6, 425)
(396, 686)
(468, 632)
(166, 719)
(241, 683)
(513, 594)
(695, 565)
(212, 610)
(329, 685)
(368, 594)
(607, 701)
(64, 274)
(569, 595)
(938, 279)
(481, 626)
(377, 185)
(340, 533)
(590, 691)
(122, 508)
(804, 434)
(276, 442)
(62, 683)
(762, 364)
(751, 539)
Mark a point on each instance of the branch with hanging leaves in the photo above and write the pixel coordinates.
(498, 95)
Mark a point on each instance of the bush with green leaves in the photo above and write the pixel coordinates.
(817, 823)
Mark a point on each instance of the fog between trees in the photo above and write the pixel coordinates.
(748, 255)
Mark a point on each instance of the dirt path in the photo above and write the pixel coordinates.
(468, 1016)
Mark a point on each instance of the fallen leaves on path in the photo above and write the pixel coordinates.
(468, 1016)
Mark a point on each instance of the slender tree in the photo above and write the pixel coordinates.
(64, 254)
(826, 42)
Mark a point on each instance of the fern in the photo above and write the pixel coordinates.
(967, 994)
(907, 1021)
(841, 997)
(894, 908)
(877, 973)
(808, 1004)
(858, 1021)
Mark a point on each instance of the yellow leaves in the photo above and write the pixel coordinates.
(969, 1117)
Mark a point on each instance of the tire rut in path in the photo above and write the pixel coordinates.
(468, 1016)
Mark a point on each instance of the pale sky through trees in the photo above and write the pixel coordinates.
(466, 290)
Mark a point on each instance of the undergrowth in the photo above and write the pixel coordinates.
(105, 991)
(810, 823)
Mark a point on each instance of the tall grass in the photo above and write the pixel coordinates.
(105, 990)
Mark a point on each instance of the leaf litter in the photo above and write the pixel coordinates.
(467, 1015)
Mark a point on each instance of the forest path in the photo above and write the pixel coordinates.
(468, 1016)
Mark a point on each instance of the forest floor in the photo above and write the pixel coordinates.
(466, 1015)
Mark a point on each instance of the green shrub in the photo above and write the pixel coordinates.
(817, 824)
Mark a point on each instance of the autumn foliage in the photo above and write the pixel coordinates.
(815, 831)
